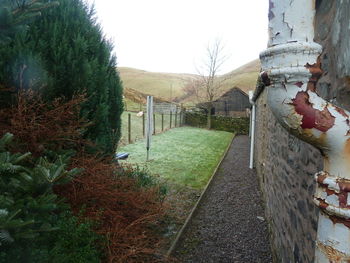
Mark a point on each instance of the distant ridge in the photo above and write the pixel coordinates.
(168, 86)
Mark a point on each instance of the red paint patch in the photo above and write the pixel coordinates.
(312, 118)
(344, 185)
(343, 200)
(322, 204)
(299, 84)
(338, 220)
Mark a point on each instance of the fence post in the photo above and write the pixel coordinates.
(181, 118)
(129, 128)
(162, 121)
(175, 118)
(171, 118)
(143, 125)
(154, 124)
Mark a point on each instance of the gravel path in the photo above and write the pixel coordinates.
(228, 225)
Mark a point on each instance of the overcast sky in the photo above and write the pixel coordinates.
(172, 35)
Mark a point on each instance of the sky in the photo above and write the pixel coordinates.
(172, 35)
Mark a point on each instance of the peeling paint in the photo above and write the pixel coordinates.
(291, 67)
(312, 118)
(333, 255)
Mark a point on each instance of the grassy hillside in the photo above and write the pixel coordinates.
(168, 86)
(243, 77)
(163, 85)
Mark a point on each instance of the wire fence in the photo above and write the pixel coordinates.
(134, 124)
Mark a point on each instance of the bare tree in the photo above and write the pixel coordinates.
(209, 84)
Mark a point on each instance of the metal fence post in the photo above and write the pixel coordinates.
(162, 121)
(154, 124)
(143, 125)
(129, 128)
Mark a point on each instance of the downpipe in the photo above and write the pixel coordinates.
(252, 130)
(290, 70)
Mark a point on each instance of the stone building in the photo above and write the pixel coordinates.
(286, 165)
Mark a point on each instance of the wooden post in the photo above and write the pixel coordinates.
(143, 125)
(171, 118)
(154, 124)
(162, 121)
(175, 118)
(181, 118)
(129, 128)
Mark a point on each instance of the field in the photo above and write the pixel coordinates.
(184, 156)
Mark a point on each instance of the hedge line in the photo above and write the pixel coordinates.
(220, 123)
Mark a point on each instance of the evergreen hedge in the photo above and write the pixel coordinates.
(220, 123)
(63, 53)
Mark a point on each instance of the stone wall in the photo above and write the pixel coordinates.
(332, 31)
(286, 166)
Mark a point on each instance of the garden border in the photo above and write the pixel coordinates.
(184, 226)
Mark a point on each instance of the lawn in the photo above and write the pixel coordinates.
(136, 125)
(185, 156)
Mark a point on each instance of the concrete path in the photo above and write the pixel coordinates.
(228, 225)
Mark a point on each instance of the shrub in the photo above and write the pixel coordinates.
(220, 123)
(40, 127)
(75, 242)
(128, 213)
(143, 178)
(31, 226)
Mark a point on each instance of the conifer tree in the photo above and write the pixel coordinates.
(64, 53)
(15, 14)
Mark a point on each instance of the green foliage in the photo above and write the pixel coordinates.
(14, 15)
(64, 53)
(220, 123)
(145, 179)
(74, 242)
(31, 226)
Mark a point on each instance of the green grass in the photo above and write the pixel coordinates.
(130, 105)
(136, 126)
(185, 156)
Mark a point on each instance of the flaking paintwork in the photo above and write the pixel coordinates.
(291, 68)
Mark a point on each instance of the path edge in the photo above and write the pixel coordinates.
(188, 219)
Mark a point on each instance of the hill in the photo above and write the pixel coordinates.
(243, 77)
(169, 86)
(163, 85)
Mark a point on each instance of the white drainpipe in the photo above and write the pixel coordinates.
(290, 69)
(252, 131)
